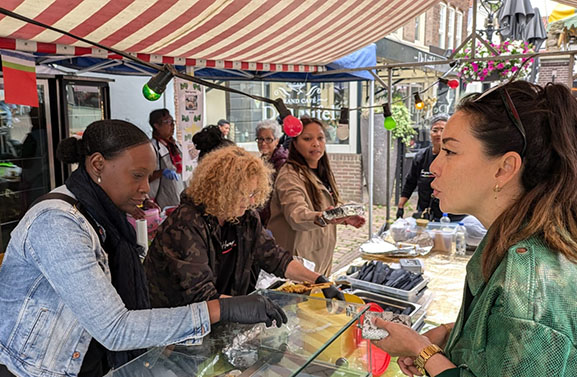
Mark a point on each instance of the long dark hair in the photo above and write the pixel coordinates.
(324, 169)
(548, 205)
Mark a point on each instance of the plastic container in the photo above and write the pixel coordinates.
(152, 217)
(417, 315)
(443, 235)
(461, 239)
(413, 295)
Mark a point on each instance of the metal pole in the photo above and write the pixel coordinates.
(474, 31)
(388, 138)
(371, 153)
(570, 68)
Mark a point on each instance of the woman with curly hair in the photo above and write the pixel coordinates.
(304, 188)
(214, 243)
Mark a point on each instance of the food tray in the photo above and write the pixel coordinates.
(413, 295)
(417, 314)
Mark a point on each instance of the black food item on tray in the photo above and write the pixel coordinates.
(380, 273)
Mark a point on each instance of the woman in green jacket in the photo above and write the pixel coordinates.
(509, 157)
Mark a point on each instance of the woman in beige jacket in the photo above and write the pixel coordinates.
(304, 188)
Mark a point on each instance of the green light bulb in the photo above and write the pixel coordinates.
(390, 123)
(150, 94)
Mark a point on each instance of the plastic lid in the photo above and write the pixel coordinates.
(445, 214)
(461, 223)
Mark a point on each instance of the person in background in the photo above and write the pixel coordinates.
(268, 133)
(509, 157)
(224, 126)
(73, 293)
(208, 139)
(420, 177)
(304, 188)
(214, 244)
(166, 181)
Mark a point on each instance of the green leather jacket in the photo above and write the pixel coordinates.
(523, 321)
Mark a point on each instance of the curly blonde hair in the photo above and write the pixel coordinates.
(223, 177)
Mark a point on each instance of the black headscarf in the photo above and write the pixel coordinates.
(128, 276)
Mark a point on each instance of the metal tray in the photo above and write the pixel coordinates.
(413, 295)
(417, 313)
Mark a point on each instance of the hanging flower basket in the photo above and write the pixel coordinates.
(489, 70)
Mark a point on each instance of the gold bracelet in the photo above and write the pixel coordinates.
(425, 354)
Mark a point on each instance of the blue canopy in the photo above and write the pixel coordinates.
(365, 57)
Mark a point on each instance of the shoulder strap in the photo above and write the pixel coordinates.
(75, 203)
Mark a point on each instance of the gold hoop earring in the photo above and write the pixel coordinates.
(98, 180)
(496, 189)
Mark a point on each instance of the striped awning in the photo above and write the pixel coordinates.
(274, 35)
(571, 3)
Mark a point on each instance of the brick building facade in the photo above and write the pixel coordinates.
(348, 173)
(431, 31)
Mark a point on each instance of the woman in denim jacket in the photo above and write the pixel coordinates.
(509, 157)
(73, 293)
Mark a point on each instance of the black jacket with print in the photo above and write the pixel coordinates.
(181, 261)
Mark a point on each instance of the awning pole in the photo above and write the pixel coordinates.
(388, 190)
(371, 157)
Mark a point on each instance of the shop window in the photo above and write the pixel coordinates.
(442, 25)
(459, 33)
(451, 30)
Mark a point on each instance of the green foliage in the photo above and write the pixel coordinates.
(403, 131)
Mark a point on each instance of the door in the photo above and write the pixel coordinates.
(26, 158)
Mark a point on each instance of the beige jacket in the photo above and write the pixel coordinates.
(292, 220)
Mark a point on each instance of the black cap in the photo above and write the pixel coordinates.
(222, 122)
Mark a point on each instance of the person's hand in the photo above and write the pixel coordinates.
(332, 291)
(251, 309)
(400, 212)
(407, 366)
(356, 221)
(170, 174)
(138, 213)
(402, 340)
(150, 204)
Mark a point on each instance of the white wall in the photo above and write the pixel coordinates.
(128, 103)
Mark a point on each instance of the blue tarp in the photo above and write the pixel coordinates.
(365, 57)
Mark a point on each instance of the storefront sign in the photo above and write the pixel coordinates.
(189, 120)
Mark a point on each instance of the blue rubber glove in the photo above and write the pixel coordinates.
(332, 291)
(170, 174)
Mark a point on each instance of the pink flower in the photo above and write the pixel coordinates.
(500, 66)
(475, 67)
(485, 71)
(514, 69)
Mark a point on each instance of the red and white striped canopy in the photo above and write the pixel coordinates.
(275, 35)
(571, 3)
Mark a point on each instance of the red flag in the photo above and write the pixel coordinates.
(19, 78)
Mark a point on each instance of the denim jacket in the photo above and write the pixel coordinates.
(56, 294)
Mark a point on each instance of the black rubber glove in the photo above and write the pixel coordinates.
(251, 309)
(400, 212)
(332, 291)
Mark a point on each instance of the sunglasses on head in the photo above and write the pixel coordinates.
(512, 112)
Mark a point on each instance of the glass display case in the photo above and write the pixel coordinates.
(321, 338)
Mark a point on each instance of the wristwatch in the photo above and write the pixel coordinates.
(425, 355)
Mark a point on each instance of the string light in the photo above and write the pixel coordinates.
(154, 88)
(291, 125)
(419, 104)
(390, 123)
